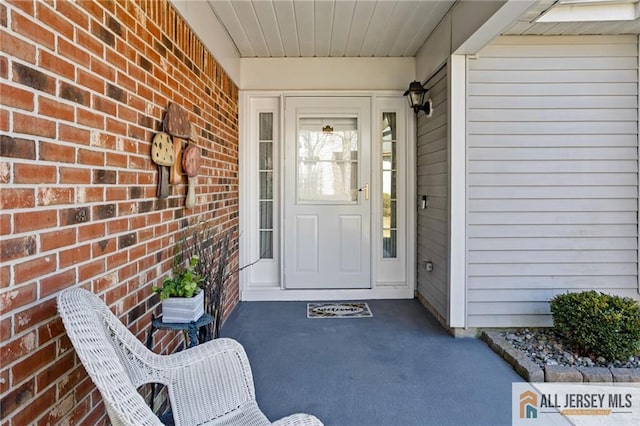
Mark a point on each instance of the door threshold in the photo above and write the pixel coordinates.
(285, 295)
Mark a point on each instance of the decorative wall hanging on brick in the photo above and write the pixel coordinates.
(191, 166)
(176, 123)
(162, 154)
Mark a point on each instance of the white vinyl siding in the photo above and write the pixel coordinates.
(552, 174)
(433, 181)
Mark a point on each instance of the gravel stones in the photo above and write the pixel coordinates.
(546, 347)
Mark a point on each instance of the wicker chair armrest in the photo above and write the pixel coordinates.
(207, 381)
(202, 353)
(298, 420)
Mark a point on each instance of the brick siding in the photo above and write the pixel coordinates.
(83, 89)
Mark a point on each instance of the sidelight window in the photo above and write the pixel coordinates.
(265, 170)
(389, 185)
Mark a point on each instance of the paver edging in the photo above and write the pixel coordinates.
(532, 372)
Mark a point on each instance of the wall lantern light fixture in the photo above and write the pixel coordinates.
(415, 95)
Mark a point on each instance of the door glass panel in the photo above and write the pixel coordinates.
(389, 171)
(266, 185)
(266, 126)
(266, 244)
(266, 215)
(266, 156)
(328, 160)
(390, 245)
(265, 171)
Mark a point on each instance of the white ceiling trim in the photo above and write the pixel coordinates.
(493, 26)
(345, 74)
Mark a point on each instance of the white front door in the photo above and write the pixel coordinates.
(326, 193)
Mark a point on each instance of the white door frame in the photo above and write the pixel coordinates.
(251, 288)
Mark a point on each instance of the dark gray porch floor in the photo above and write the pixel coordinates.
(399, 368)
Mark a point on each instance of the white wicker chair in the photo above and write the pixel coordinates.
(210, 384)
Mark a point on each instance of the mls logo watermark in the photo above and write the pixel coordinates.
(575, 404)
(528, 405)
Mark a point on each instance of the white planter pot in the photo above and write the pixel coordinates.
(182, 309)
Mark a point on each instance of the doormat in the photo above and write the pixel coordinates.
(338, 310)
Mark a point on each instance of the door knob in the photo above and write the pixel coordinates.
(366, 191)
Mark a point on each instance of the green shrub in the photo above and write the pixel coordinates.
(598, 323)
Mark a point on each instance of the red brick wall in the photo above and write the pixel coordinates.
(83, 88)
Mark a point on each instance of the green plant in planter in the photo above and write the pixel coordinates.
(184, 283)
(214, 248)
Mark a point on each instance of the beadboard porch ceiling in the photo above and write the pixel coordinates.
(322, 28)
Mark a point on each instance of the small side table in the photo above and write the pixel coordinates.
(190, 330)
